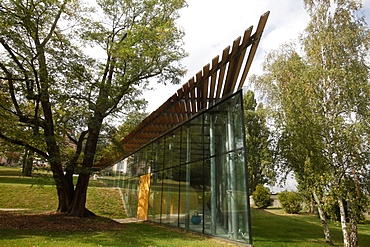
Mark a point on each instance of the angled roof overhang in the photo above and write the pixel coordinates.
(213, 83)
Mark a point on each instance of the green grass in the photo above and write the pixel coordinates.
(273, 227)
(39, 178)
(134, 234)
(270, 228)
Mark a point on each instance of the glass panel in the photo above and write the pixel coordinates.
(130, 165)
(196, 140)
(155, 157)
(183, 197)
(155, 194)
(167, 151)
(243, 202)
(176, 148)
(197, 170)
(170, 199)
(238, 126)
(151, 156)
(160, 154)
(222, 180)
(209, 202)
(130, 195)
(185, 144)
(195, 197)
(145, 160)
(206, 135)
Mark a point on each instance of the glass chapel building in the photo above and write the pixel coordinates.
(186, 163)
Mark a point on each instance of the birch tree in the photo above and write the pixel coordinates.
(321, 95)
(260, 158)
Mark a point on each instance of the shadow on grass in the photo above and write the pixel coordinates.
(133, 234)
(31, 181)
(41, 180)
(271, 229)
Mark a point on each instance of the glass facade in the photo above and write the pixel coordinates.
(198, 176)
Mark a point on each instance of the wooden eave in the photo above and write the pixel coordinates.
(213, 83)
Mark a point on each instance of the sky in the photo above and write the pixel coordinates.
(212, 25)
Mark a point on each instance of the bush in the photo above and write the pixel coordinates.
(261, 196)
(290, 201)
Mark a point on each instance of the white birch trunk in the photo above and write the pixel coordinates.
(346, 240)
(327, 234)
(353, 235)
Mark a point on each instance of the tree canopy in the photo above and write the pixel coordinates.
(66, 68)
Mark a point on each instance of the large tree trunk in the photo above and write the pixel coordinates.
(64, 198)
(322, 216)
(78, 207)
(346, 237)
(27, 163)
(64, 187)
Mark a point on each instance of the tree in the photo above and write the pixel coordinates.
(290, 201)
(261, 196)
(68, 92)
(260, 164)
(299, 145)
(321, 96)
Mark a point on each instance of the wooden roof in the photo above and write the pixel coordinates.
(214, 82)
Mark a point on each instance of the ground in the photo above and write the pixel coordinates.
(55, 222)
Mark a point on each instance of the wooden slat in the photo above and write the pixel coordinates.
(256, 36)
(220, 82)
(182, 103)
(187, 97)
(192, 95)
(198, 90)
(240, 58)
(213, 80)
(177, 108)
(205, 87)
(231, 67)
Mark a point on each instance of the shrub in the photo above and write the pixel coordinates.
(290, 201)
(261, 196)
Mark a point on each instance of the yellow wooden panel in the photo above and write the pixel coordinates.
(142, 206)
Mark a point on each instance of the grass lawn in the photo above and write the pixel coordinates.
(270, 228)
(273, 227)
(134, 234)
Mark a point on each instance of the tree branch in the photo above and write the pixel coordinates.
(77, 154)
(11, 89)
(54, 25)
(18, 63)
(24, 144)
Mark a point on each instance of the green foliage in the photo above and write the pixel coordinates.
(260, 163)
(319, 98)
(261, 196)
(290, 201)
